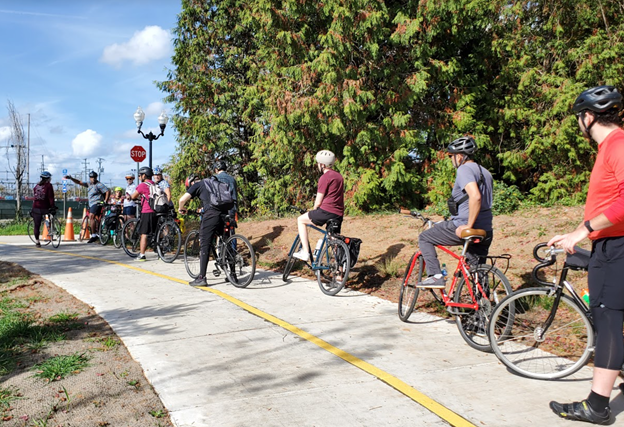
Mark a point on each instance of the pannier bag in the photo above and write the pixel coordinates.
(353, 243)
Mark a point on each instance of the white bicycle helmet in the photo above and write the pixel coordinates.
(325, 157)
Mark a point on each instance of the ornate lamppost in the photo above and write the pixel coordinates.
(139, 116)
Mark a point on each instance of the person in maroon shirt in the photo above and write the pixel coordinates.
(329, 202)
(43, 204)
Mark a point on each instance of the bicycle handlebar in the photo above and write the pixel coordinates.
(416, 215)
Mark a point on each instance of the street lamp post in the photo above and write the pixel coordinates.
(139, 116)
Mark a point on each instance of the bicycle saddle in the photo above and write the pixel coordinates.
(470, 233)
(578, 260)
(333, 226)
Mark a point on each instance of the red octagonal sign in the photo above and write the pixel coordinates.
(138, 153)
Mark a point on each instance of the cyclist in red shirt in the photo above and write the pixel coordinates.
(329, 202)
(43, 204)
(597, 111)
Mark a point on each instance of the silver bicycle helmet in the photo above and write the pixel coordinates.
(46, 175)
(464, 145)
(325, 157)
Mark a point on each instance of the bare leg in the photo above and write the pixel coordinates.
(303, 230)
(604, 380)
(143, 244)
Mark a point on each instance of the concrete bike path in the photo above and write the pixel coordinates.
(215, 363)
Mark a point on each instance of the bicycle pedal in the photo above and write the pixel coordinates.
(216, 273)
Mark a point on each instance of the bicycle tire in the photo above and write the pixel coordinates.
(117, 233)
(191, 254)
(527, 354)
(84, 226)
(290, 262)
(409, 292)
(130, 238)
(472, 324)
(104, 231)
(57, 234)
(239, 261)
(334, 261)
(169, 241)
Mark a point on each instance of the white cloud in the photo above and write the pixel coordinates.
(5, 133)
(154, 109)
(150, 44)
(87, 143)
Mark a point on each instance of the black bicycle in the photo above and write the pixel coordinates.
(232, 254)
(111, 225)
(167, 241)
(543, 333)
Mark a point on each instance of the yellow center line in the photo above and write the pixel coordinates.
(417, 396)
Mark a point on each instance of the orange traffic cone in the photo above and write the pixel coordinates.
(69, 227)
(85, 234)
(46, 234)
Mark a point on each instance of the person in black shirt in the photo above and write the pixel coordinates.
(211, 222)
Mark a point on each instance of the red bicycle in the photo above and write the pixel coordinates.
(474, 291)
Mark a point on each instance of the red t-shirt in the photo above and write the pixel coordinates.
(331, 185)
(143, 189)
(606, 186)
(44, 196)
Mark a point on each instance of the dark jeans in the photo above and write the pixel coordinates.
(38, 215)
(211, 223)
(444, 234)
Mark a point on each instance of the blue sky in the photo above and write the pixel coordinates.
(80, 69)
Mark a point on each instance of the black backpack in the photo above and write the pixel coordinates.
(220, 195)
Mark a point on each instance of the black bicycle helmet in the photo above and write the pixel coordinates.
(92, 174)
(221, 166)
(147, 171)
(189, 181)
(598, 99)
(46, 175)
(464, 145)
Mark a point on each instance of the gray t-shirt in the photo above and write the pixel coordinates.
(467, 173)
(96, 193)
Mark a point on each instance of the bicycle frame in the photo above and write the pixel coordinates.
(313, 264)
(462, 270)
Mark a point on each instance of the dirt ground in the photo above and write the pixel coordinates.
(112, 390)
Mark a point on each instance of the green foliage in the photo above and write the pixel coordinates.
(506, 198)
(58, 367)
(265, 84)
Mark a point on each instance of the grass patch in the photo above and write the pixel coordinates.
(63, 317)
(14, 228)
(7, 395)
(389, 267)
(59, 367)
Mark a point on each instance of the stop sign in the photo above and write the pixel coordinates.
(138, 153)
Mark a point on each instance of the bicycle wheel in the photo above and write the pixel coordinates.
(169, 241)
(524, 348)
(472, 324)
(130, 238)
(191, 254)
(239, 261)
(291, 259)
(409, 292)
(105, 233)
(332, 270)
(31, 230)
(56, 234)
(117, 232)
(84, 229)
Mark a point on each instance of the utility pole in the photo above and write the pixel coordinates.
(42, 164)
(86, 172)
(100, 170)
(28, 155)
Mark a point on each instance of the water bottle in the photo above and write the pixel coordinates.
(444, 272)
(585, 295)
(318, 247)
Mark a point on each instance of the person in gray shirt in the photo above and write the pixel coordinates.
(470, 206)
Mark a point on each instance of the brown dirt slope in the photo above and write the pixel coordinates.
(390, 240)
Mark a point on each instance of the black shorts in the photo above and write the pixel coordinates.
(606, 273)
(129, 210)
(95, 209)
(320, 217)
(148, 223)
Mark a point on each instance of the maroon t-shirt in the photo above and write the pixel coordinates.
(44, 196)
(331, 185)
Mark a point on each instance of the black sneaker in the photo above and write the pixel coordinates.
(581, 411)
(200, 281)
(93, 239)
